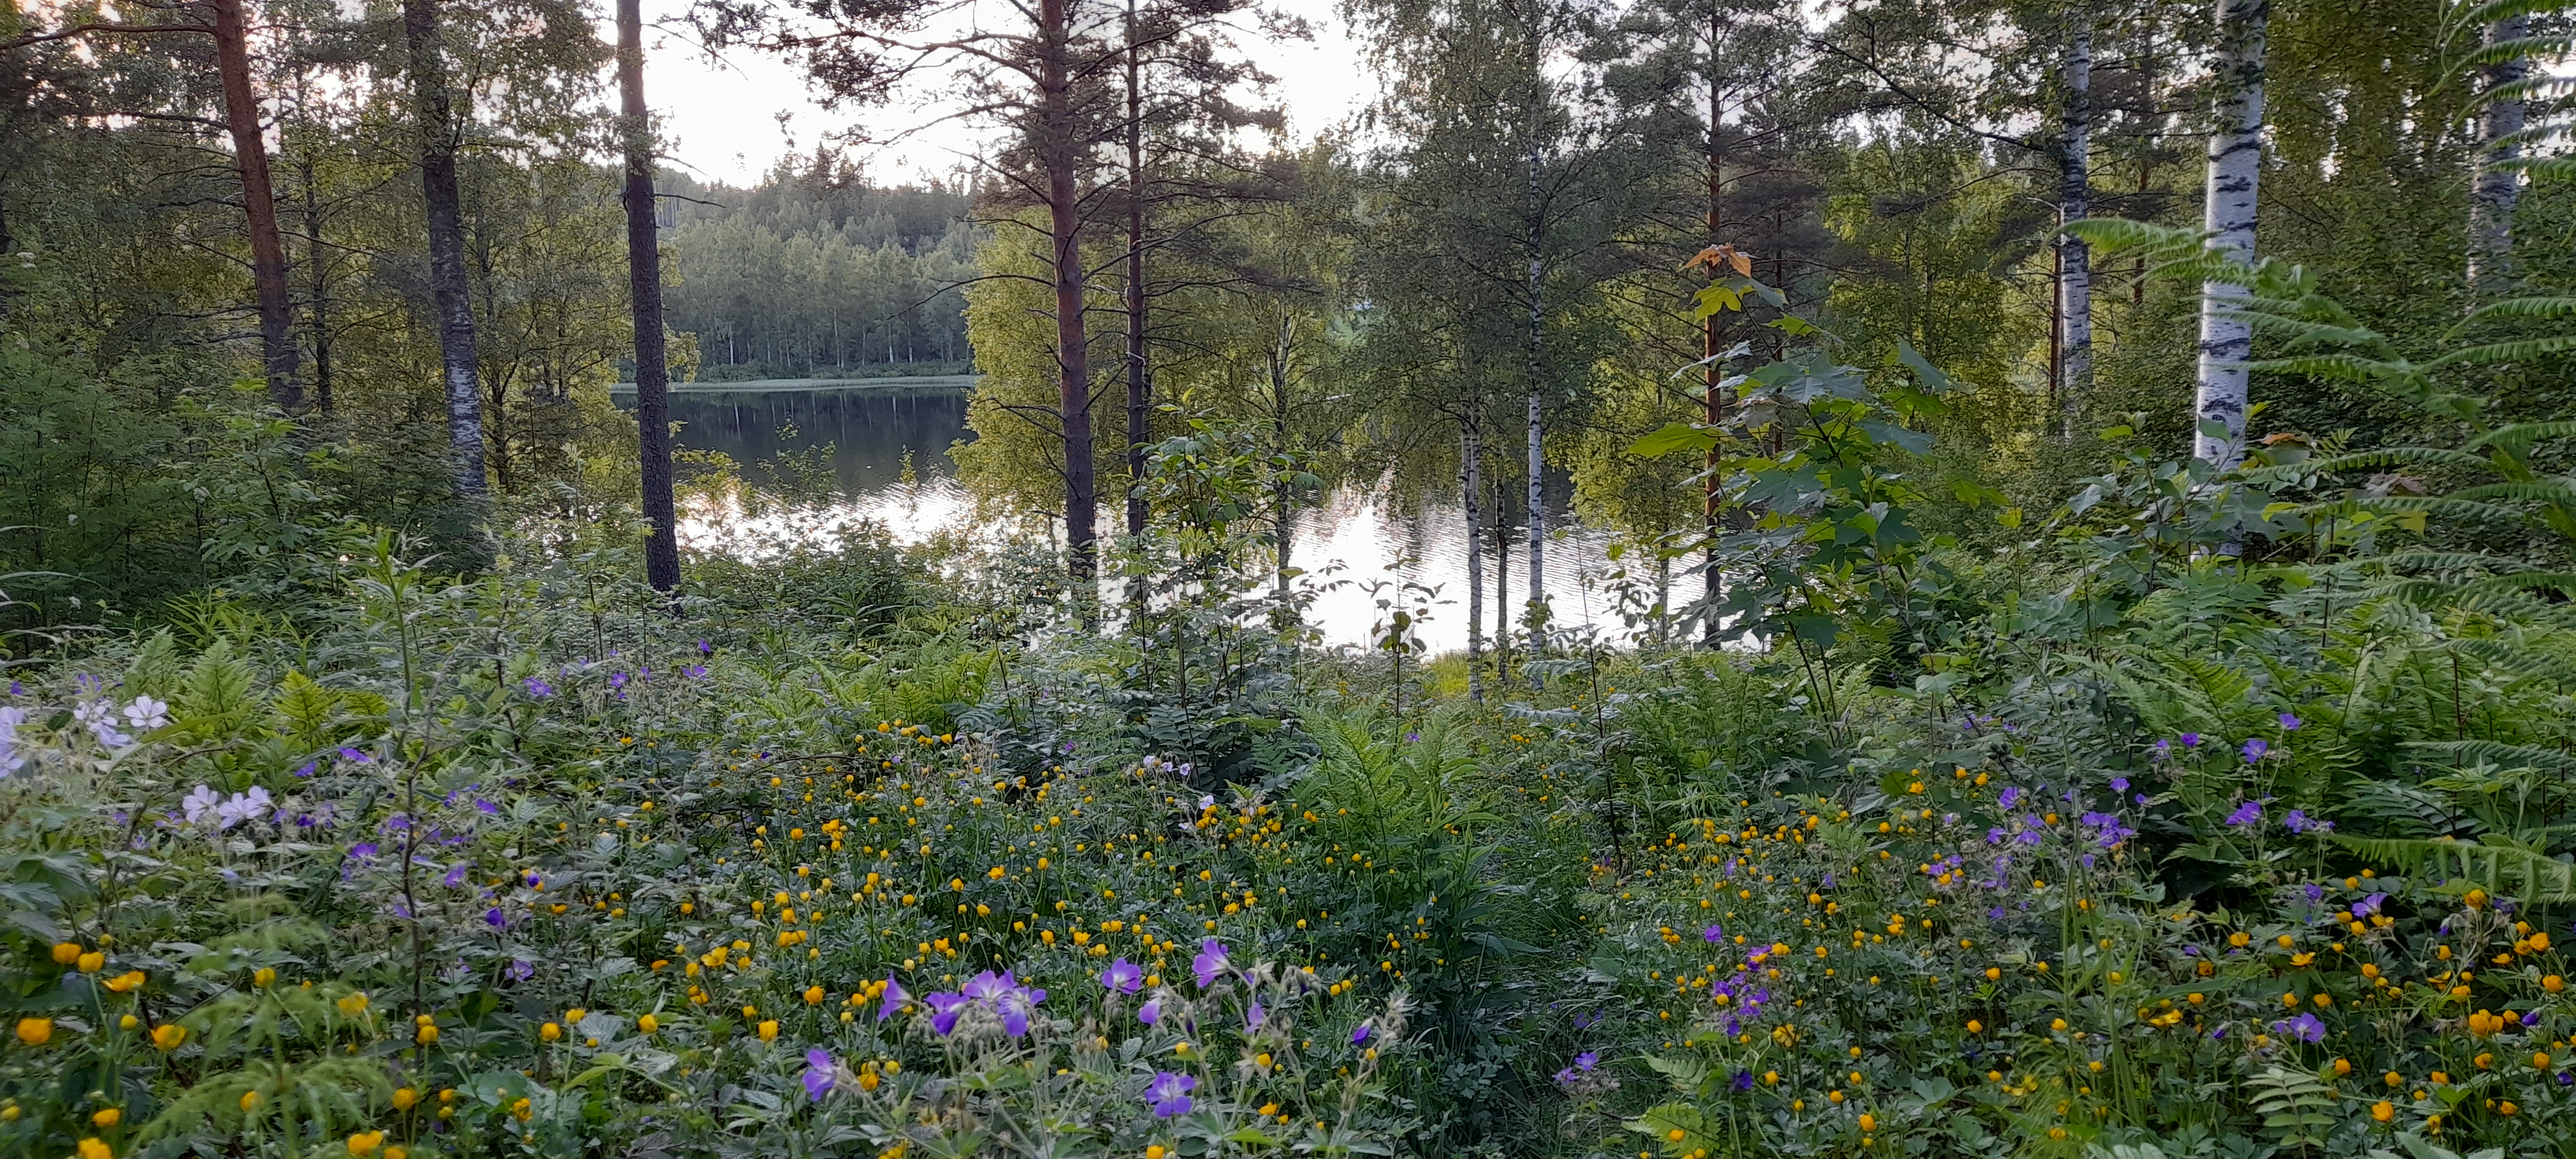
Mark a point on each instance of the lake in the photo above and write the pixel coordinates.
(872, 425)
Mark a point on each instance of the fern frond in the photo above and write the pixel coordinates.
(2496, 752)
(2503, 869)
(2494, 352)
(2520, 435)
(2400, 457)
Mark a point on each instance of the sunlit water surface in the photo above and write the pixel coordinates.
(889, 464)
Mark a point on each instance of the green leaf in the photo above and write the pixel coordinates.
(1674, 437)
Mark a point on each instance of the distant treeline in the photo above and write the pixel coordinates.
(814, 272)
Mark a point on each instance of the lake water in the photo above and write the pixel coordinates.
(873, 425)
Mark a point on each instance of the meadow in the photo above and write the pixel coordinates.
(532, 864)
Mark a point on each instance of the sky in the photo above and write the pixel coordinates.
(730, 119)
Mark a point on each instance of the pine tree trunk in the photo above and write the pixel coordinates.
(1060, 154)
(2074, 203)
(1139, 389)
(1471, 483)
(444, 203)
(259, 205)
(2498, 185)
(2235, 168)
(644, 288)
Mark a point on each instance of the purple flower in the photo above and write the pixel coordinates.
(352, 755)
(2254, 750)
(2369, 905)
(1254, 1017)
(894, 997)
(2164, 749)
(617, 680)
(537, 688)
(2305, 1028)
(455, 875)
(1170, 1093)
(944, 1009)
(2191, 740)
(1587, 1060)
(1744, 1080)
(362, 850)
(1123, 976)
(307, 771)
(2119, 784)
(2298, 822)
(694, 671)
(2009, 797)
(706, 649)
(520, 971)
(2290, 723)
(1210, 962)
(1151, 1012)
(2246, 814)
(1713, 934)
(818, 1073)
(492, 917)
(1360, 1034)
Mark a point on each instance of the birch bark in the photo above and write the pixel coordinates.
(2235, 169)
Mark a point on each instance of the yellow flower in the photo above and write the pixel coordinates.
(66, 953)
(353, 1005)
(813, 996)
(406, 1098)
(2383, 1110)
(648, 1024)
(769, 1030)
(550, 1032)
(426, 1035)
(92, 962)
(1676, 1135)
(1976, 1027)
(521, 1111)
(95, 1149)
(106, 1117)
(366, 1142)
(125, 982)
(1868, 1122)
(35, 1031)
(1155, 1152)
(263, 976)
(249, 1101)
(169, 1035)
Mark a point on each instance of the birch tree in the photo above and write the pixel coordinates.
(2228, 216)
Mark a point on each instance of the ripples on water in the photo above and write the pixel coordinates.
(870, 428)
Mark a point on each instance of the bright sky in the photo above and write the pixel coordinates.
(722, 119)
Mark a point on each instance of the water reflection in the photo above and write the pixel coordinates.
(1358, 535)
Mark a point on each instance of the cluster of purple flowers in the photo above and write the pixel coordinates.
(1583, 1064)
(1001, 996)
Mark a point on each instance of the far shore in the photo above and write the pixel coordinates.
(765, 385)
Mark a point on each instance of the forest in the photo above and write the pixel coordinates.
(2069, 652)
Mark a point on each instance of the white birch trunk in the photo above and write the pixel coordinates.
(1471, 482)
(2235, 168)
(2498, 185)
(2074, 203)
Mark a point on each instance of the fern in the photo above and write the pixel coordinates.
(2499, 865)
(2293, 1104)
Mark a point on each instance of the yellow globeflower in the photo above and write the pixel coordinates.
(263, 976)
(66, 953)
(2383, 1110)
(769, 1030)
(366, 1142)
(92, 962)
(550, 1032)
(35, 1031)
(406, 1098)
(426, 1034)
(95, 1149)
(648, 1024)
(107, 1117)
(813, 996)
(169, 1035)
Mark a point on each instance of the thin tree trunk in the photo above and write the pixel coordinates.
(644, 289)
(1502, 590)
(1537, 358)
(259, 205)
(1139, 390)
(444, 203)
(1471, 484)
(2074, 203)
(2498, 185)
(1713, 404)
(1060, 154)
(2235, 167)
(317, 277)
